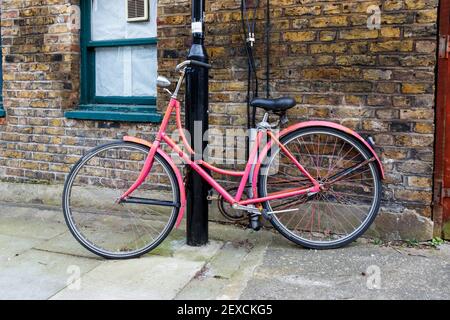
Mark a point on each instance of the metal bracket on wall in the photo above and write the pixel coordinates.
(444, 46)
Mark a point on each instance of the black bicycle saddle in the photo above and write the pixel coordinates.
(275, 105)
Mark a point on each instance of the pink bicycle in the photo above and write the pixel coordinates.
(318, 183)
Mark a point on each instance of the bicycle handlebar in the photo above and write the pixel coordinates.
(192, 63)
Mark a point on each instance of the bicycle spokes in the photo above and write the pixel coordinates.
(348, 194)
(114, 228)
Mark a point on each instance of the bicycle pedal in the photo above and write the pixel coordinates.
(255, 222)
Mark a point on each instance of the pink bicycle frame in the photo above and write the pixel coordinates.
(198, 166)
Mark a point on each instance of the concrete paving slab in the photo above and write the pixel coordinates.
(360, 271)
(171, 244)
(202, 289)
(208, 284)
(34, 223)
(39, 255)
(238, 282)
(65, 244)
(225, 264)
(14, 246)
(203, 253)
(146, 278)
(40, 275)
(226, 275)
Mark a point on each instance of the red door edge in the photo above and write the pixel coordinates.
(441, 188)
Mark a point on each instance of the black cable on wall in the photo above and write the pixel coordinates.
(248, 29)
(268, 30)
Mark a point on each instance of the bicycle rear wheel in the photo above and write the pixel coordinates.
(126, 230)
(344, 209)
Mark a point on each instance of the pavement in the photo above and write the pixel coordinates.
(39, 259)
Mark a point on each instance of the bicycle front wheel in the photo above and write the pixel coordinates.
(348, 202)
(126, 230)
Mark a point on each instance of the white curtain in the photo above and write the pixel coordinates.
(109, 21)
(123, 71)
(126, 71)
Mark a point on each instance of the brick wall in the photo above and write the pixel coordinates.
(378, 82)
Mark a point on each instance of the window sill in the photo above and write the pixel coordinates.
(122, 113)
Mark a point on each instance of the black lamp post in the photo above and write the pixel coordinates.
(197, 124)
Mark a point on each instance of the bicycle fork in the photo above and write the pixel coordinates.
(144, 172)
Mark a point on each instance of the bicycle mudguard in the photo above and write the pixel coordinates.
(310, 124)
(174, 168)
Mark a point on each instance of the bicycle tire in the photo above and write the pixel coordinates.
(307, 243)
(67, 210)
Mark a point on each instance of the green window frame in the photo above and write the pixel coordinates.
(2, 111)
(118, 108)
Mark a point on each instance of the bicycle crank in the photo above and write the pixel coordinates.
(228, 211)
(281, 211)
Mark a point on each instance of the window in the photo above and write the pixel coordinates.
(118, 62)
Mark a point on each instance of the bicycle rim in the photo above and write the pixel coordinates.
(115, 230)
(332, 217)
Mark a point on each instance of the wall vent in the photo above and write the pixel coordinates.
(137, 10)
